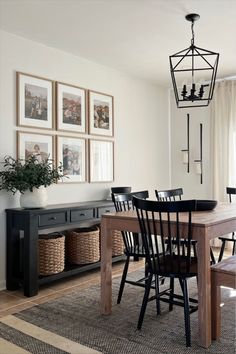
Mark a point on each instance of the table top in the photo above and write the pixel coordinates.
(58, 207)
(223, 212)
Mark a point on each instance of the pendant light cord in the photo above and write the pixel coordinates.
(192, 40)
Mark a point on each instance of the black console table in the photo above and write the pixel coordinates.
(23, 226)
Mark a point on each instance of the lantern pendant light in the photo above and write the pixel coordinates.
(193, 73)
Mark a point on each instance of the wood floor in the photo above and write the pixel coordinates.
(14, 301)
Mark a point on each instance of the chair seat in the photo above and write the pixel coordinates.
(175, 267)
(139, 251)
(183, 241)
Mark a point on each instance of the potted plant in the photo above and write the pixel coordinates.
(30, 177)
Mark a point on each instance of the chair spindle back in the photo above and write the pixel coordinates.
(169, 194)
(165, 260)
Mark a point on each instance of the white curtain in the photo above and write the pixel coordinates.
(223, 119)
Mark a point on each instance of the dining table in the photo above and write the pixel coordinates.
(206, 225)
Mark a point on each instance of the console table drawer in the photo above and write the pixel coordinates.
(80, 215)
(52, 219)
(105, 210)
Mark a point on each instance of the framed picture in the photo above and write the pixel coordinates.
(34, 101)
(71, 152)
(71, 108)
(40, 145)
(100, 114)
(101, 168)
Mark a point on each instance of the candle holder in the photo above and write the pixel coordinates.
(185, 152)
(198, 163)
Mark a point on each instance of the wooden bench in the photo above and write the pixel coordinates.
(222, 274)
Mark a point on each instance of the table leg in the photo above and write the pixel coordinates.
(204, 292)
(106, 267)
(215, 307)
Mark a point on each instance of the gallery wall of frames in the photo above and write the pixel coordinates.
(78, 126)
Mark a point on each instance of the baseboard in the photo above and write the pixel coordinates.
(3, 285)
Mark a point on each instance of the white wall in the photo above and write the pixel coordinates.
(190, 182)
(141, 121)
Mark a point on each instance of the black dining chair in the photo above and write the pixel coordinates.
(162, 261)
(169, 195)
(121, 189)
(173, 195)
(133, 246)
(224, 239)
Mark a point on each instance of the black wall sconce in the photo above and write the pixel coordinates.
(198, 163)
(185, 153)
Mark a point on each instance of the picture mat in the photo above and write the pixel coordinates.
(101, 161)
(27, 141)
(61, 125)
(105, 99)
(76, 147)
(40, 83)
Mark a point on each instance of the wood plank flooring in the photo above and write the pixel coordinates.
(14, 301)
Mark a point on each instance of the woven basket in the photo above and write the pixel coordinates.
(117, 243)
(83, 245)
(51, 253)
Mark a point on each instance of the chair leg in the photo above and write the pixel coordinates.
(213, 260)
(194, 250)
(145, 301)
(186, 313)
(157, 288)
(171, 294)
(234, 248)
(162, 280)
(136, 244)
(222, 250)
(122, 283)
(146, 269)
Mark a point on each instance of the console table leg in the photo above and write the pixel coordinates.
(31, 257)
(13, 255)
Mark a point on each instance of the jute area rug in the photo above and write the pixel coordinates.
(76, 317)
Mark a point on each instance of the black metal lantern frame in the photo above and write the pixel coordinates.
(193, 72)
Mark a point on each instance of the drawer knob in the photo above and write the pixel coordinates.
(108, 211)
(53, 218)
(82, 214)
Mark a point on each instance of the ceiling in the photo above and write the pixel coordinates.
(134, 36)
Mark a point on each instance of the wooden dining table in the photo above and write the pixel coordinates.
(206, 226)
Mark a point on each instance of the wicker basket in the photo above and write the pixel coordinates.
(51, 253)
(117, 243)
(83, 245)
